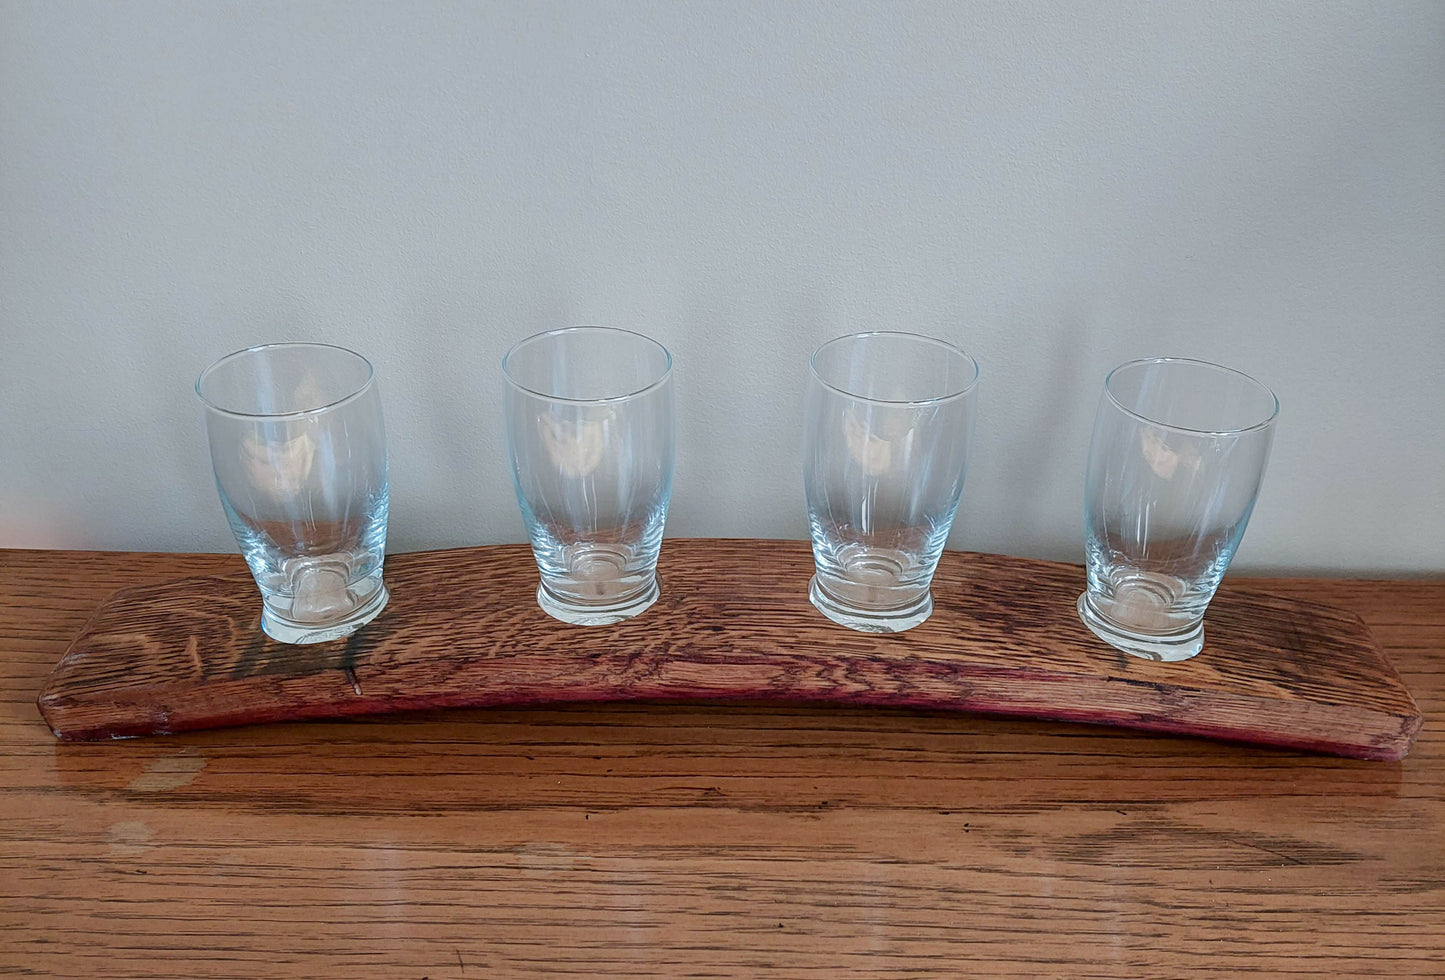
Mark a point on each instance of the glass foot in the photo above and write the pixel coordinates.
(286, 630)
(1167, 647)
(869, 620)
(599, 613)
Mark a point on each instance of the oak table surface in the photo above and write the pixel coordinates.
(707, 840)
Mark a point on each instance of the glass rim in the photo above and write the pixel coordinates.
(967, 387)
(360, 389)
(661, 379)
(1267, 421)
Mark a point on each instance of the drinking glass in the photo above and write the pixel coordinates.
(299, 452)
(888, 423)
(1177, 458)
(590, 437)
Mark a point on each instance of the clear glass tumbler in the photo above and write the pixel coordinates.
(888, 423)
(1177, 458)
(299, 451)
(591, 440)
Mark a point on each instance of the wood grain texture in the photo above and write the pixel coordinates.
(734, 623)
(700, 840)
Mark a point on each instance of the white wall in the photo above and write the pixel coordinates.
(1057, 187)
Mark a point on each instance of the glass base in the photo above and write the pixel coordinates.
(1168, 647)
(869, 620)
(597, 613)
(286, 630)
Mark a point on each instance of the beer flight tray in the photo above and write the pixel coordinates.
(733, 624)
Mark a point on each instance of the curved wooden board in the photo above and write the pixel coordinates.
(463, 629)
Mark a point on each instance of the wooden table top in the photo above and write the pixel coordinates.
(705, 840)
